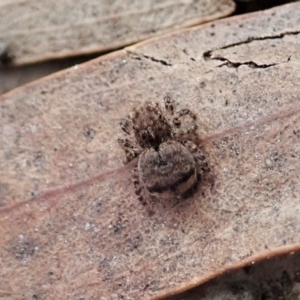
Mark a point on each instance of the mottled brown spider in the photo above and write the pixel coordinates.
(170, 164)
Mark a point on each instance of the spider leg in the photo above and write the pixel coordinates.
(146, 199)
(199, 157)
(182, 113)
(140, 192)
(186, 133)
(130, 149)
(136, 183)
(190, 146)
(169, 105)
(126, 125)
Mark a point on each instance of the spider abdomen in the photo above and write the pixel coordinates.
(169, 171)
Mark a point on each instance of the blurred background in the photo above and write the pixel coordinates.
(41, 37)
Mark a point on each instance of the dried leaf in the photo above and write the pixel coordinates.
(276, 278)
(70, 221)
(35, 30)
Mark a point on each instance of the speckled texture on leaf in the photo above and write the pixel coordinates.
(70, 221)
(35, 30)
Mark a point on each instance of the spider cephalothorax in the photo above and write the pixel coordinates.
(150, 125)
(170, 163)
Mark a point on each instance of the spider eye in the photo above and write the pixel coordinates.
(176, 122)
(143, 136)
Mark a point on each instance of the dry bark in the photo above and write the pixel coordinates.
(70, 221)
(34, 30)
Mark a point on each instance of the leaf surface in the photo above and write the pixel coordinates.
(34, 30)
(70, 222)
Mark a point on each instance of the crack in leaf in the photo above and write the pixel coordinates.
(161, 61)
(250, 64)
(207, 55)
(139, 56)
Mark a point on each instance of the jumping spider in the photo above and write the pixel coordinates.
(170, 164)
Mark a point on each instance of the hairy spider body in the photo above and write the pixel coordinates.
(170, 170)
(170, 164)
(150, 125)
